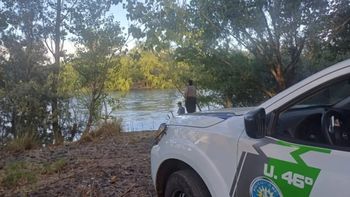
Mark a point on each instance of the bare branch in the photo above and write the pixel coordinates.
(62, 45)
(341, 26)
(51, 43)
(47, 46)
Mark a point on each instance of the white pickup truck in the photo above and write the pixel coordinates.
(295, 144)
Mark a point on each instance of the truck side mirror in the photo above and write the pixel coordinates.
(254, 122)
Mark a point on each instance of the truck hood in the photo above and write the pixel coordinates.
(208, 118)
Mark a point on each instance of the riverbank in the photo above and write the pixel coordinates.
(113, 165)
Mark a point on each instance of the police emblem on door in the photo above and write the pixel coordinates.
(263, 187)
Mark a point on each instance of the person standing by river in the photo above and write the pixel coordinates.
(190, 97)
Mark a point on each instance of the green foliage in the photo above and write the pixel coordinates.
(120, 77)
(68, 80)
(142, 68)
(334, 46)
(3, 21)
(155, 70)
(163, 21)
(23, 81)
(227, 78)
(240, 75)
(35, 91)
(274, 32)
(101, 44)
(281, 39)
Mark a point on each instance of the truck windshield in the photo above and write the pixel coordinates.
(328, 96)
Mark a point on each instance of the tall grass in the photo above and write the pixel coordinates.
(23, 142)
(105, 129)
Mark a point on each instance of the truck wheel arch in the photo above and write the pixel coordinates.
(168, 167)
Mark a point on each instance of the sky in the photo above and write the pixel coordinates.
(120, 15)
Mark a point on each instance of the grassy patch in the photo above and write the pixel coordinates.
(19, 173)
(54, 167)
(26, 173)
(106, 129)
(23, 142)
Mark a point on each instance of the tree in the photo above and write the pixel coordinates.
(24, 94)
(155, 70)
(339, 23)
(228, 78)
(56, 23)
(197, 52)
(33, 99)
(60, 19)
(275, 32)
(54, 31)
(332, 45)
(101, 43)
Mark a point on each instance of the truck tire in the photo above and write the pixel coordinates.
(185, 183)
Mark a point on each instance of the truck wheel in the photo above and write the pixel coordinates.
(185, 183)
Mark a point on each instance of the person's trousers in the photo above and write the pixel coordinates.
(190, 104)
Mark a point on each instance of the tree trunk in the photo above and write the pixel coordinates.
(228, 101)
(56, 69)
(89, 122)
(14, 123)
(106, 115)
(73, 132)
(91, 114)
(279, 77)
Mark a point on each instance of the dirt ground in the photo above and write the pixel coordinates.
(109, 166)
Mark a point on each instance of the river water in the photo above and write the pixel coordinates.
(146, 109)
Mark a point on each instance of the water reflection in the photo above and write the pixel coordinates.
(146, 109)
